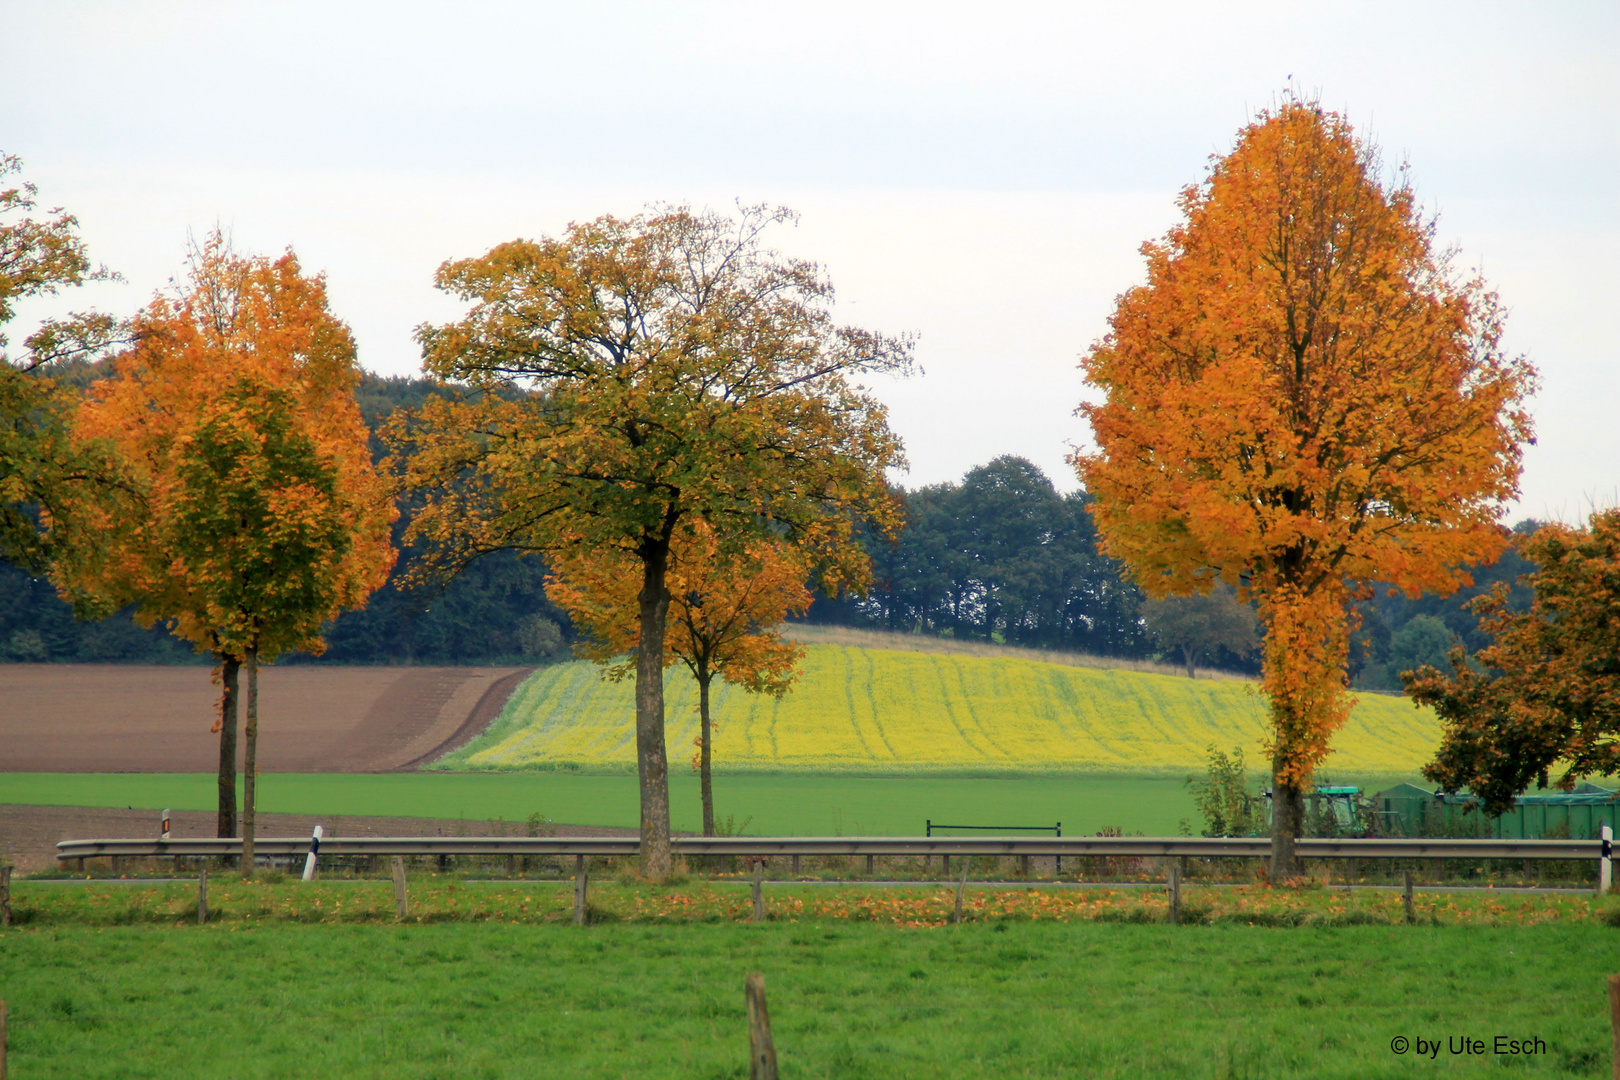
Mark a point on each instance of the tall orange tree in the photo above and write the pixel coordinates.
(630, 377)
(1302, 399)
(722, 619)
(260, 515)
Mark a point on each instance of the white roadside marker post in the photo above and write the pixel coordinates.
(314, 850)
(165, 824)
(1607, 835)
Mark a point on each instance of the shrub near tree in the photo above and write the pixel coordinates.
(630, 378)
(257, 514)
(1545, 694)
(722, 618)
(1301, 400)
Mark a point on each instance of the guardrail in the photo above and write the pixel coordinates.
(757, 846)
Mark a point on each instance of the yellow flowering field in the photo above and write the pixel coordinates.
(875, 711)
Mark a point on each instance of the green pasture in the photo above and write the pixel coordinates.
(792, 805)
(1002, 999)
(870, 711)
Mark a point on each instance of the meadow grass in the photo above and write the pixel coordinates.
(867, 711)
(1002, 996)
(790, 805)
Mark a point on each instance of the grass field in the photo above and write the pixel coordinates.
(1003, 998)
(878, 711)
(772, 805)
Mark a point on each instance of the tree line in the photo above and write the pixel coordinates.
(1302, 410)
(1001, 556)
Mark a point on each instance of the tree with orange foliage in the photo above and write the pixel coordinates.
(631, 377)
(260, 515)
(721, 614)
(43, 473)
(1546, 692)
(1302, 399)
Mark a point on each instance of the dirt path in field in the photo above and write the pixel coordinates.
(28, 834)
(129, 718)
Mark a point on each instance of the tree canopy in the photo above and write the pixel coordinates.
(636, 375)
(254, 514)
(1202, 623)
(1301, 400)
(43, 473)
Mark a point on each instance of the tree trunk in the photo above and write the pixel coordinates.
(229, 708)
(704, 782)
(250, 759)
(1190, 655)
(1287, 820)
(652, 757)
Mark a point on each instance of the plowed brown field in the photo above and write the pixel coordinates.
(124, 718)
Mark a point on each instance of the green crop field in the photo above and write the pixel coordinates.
(876, 711)
(847, 999)
(772, 805)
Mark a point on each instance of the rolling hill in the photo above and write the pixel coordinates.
(859, 710)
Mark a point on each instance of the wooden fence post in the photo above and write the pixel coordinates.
(202, 896)
(759, 894)
(1406, 897)
(961, 885)
(5, 899)
(761, 1050)
(1614, 1025)
(1175, 892)
(581, 878)
(402, 906)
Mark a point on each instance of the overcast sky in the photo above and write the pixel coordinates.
(979, 175)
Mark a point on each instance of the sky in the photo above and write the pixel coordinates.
(980, 176)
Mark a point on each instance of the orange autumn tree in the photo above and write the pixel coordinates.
(722, 611)
(1301, 400)
(43, 473)
(633, 376)
(259, 516)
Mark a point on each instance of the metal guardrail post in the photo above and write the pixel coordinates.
(581, 883)
(1173, 885)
